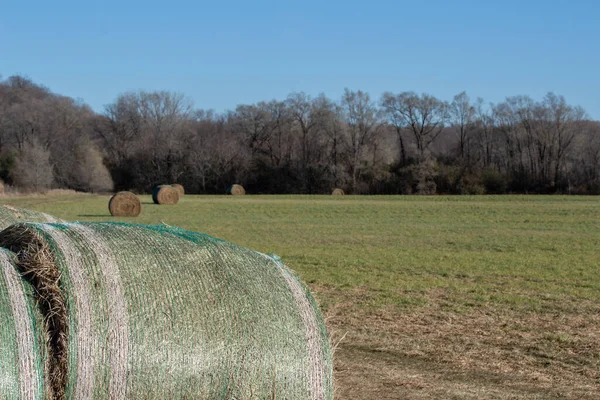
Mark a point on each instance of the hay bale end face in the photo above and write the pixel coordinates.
(337, 192)
(165, 194)
(236, 190)
(124, 204)
(135, 284)
(179, 188)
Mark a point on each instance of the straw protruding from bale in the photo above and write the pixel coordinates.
(135, 329)
(337, 192)
(180, 189)
(124, 204)
(165, 194)
(236, 190)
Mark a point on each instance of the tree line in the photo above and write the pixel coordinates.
(401, 143)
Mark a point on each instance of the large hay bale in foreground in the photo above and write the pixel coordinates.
(11, 215)
(154, 312)
(180, 189)
(165, 194)
(124, 204)
(337, 192)
(236, 190)
(22, 342)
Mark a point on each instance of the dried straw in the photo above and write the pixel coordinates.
(124, 204)
(165, 194)
(179, 188)
(337, 192)
(37, 265)
(236, 190)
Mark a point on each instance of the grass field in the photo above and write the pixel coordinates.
(425, 297)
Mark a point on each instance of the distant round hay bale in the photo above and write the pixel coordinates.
(124, 204)
(179, 188)
(236, 190)
(1, 186)
(165, 194)
(337, 192)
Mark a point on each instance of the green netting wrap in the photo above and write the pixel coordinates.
(154, 312)
(22, 344)
(11, 215)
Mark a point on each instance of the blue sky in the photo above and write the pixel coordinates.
(224, 53)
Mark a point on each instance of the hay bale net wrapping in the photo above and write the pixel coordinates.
(160, 312)
(124, 204)
(165, 194)
(236, 190)
(11, 215)
(180, 189)
(22, 341)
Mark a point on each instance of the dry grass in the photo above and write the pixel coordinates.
(484, 353)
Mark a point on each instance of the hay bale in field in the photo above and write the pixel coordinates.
(160, 312)
(1, 186)
(236, 190)
(179, 188)
(11, 215)
(337, 192)
(165, 194)
(22, 341)
(124, 204)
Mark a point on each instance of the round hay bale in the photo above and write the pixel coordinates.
(165, 194)
(337, 192)
(22, 342)
(173, 300)
(11, 215)
(124, 204)
(1, 186)
(236, 190)
(179, 188)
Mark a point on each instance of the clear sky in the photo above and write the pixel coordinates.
(223, 53)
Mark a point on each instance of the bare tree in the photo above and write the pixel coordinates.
(32, 170)
(423, 115)
(561, 124)
(254, 125)
(335, 132)
(279, 143)
(307, 113)
(485, 140)
(361, 118)
(462, 121)
(392, 109)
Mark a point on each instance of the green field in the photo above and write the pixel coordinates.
(494, 297)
